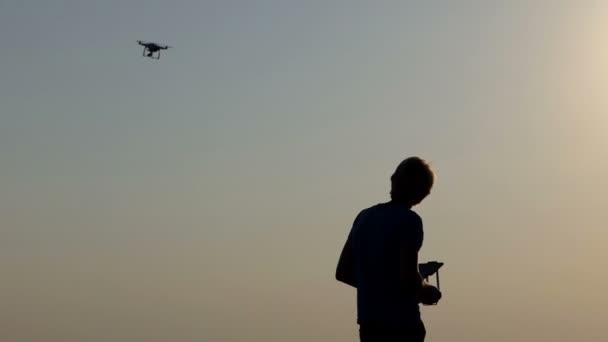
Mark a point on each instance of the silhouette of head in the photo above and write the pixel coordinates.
(412, 181)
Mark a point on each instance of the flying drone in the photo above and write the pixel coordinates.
(152, 50)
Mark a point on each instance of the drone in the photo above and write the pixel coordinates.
(152, 50)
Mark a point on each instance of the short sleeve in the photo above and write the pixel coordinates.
(412, 233)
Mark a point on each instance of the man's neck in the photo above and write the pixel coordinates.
(401, 202)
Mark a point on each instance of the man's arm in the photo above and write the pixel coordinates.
(410, 244)
(411, 280)
(345, 271)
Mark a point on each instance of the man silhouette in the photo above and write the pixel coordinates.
(380, 259)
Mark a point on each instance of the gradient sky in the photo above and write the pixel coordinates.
(206, 196)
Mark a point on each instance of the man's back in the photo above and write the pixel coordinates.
(378, 236)
(380, 259)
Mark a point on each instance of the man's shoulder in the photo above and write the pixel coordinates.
(412, 215)
(391, 207)
(370, 210)
(389, 212)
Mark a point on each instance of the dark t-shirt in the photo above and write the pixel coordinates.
(377, 235)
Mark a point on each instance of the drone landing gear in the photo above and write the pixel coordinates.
(150, 54)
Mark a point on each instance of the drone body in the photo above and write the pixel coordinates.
(152, 50)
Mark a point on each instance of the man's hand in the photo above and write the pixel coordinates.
(429, 294)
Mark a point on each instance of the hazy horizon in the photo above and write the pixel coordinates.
(206, 196)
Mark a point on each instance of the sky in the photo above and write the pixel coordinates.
(206, 196)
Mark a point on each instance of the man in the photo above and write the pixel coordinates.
(380, 259)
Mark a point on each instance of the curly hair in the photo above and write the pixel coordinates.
(412, 181)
